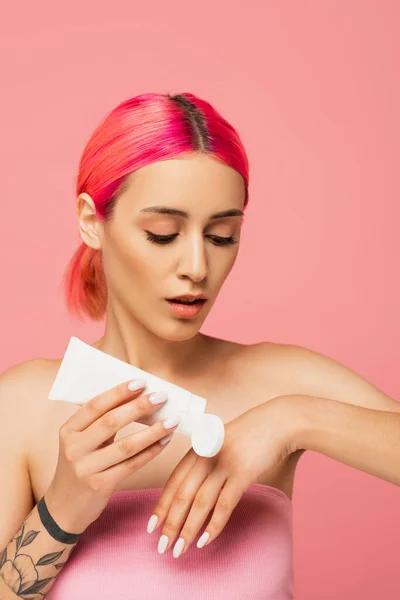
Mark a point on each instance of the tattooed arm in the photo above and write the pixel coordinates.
(31, 561)
(30, 558)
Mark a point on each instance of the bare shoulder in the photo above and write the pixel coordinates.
(302, 371)
(26, 377)
(16, 380)
(259, 367)
(21, 388)
(266, 364)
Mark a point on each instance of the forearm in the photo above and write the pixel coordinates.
(31, 561)
(363, 438)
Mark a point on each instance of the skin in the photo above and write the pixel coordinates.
(258, 439)
(140, 326)
(141, 329)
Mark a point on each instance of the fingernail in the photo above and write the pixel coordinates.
(171, 421)
(165, 439)
(158, 397)
(151, 525)
(136, 384)
(162, 544)
(203, 539)
(179, 546)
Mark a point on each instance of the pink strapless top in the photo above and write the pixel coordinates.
(116, 559)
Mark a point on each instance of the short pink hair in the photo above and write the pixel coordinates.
(139, 131)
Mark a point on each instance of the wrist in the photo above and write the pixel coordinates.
(66, 521)
(52, 527)
(295, 417)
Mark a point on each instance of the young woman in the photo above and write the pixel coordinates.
(161, 193)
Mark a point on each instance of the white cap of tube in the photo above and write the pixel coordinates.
(208, 435)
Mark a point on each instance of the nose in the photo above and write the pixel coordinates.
(193, 260)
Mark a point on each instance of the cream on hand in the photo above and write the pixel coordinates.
(86, 372)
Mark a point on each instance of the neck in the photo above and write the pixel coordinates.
(130, 341)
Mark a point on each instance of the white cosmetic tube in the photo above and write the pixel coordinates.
(86, 372)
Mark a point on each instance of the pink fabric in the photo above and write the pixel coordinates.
(116, 559)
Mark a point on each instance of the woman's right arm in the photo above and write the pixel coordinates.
(91, 465)
(29, 557)
(31, 561)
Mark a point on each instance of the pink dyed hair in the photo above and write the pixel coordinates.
(139, 131)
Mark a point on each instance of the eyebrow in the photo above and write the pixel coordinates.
(165, 210)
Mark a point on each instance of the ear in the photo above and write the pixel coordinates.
(90, 226)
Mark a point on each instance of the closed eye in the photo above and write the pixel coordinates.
(167, 239)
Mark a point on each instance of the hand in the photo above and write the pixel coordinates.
(255, 441)
(91, 464)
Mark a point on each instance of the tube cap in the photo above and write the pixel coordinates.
(208, 435)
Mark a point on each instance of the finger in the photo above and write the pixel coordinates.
(229, 497)
(181, 504)
(165, 500)
(117, 418)
(123, 449)
(110, 478)
(97, 406)
(203, 503)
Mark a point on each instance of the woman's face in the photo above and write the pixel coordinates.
(142, 270)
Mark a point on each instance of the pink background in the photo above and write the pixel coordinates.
(313, 89)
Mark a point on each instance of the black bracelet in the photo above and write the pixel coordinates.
(54, 530)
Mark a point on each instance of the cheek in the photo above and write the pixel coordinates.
(226, 266)
(123, 269)
(141, 268)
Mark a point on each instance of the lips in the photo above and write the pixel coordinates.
(186, 310)
(188, 298)
(187, 302)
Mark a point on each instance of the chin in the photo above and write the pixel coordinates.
(182, 333)
(177, 332)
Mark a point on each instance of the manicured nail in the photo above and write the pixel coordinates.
(203, 539)
(158, 397)
(136, 384)
(165, 439)
(151, 525)
(171, 422)
(162, 544)
(179, 546)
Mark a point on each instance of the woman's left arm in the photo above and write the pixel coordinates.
(339, 413)
(258, 440)
(326, 407)
(363, 438)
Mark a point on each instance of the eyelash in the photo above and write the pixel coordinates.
(166, 239)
